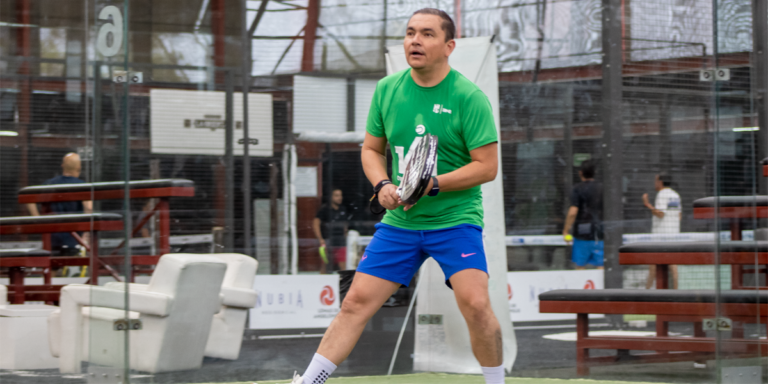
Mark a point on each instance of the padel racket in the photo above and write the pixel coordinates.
(419, 165)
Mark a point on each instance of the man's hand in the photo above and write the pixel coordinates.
(426, 192)
(654, 211)
(388, 197)
(646, 202)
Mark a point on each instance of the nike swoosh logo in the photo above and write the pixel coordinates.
(468, 254)
(364, 257)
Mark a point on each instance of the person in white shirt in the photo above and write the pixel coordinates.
(666, 218)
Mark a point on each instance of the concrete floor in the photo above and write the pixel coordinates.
(276, 359)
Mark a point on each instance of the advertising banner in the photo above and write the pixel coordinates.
(295, 301)
(194, 122)
(523, 289)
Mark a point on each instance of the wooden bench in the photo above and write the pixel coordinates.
(664, 254)
(747, 306)
(764, 163)
(162, 189)
(16, 260)
(80, 222)
(735, 208)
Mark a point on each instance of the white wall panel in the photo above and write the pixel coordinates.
(320, 104)
(363, 94)
(192, 122)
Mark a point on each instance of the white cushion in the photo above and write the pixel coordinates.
(226, 335)
(152, 303)
(241, 270)
(121, 286)
(239, 297)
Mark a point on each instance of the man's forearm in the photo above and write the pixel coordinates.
(570, 218)
(32, 207)
(316, 229)
(569, 223)
(468, 176)
(374, 166)
(656, 212)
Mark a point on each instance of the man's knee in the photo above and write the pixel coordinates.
(356, 304)
(477, 309)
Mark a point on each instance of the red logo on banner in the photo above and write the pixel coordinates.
(589, 285)
(326, 296)
(509, 292)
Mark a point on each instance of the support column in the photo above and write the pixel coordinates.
(229, 166)
(665, 134)
(457, 17)
(612, 159)
(274, 221)
(141, 39)
(310, 35)
(760, 83)
(245, 50)
(568, 146)
(24, 44)
(350, 104)
(217, 29)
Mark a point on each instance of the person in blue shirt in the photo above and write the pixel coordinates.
(63, 243)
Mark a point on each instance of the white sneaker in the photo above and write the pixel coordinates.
(297, 379)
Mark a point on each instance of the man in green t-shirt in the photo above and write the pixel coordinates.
(446, 224)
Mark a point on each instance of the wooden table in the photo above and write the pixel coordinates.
(162, 189)
(80, 222)
(17, 260)
(664, 254)
(678, 305)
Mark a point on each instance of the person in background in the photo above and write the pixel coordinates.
(330, 227)
(586, 212)
(63, 244)
(666, 218)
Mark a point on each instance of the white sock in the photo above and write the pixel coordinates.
(493, 375)
(319, 370)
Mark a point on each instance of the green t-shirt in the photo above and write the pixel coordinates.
(459, 114)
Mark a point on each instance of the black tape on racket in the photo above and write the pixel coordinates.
(422, 160)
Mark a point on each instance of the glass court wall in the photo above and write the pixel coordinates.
(224, 126)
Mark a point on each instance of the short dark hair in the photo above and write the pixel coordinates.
(665, 178)
(448, 26)
(588, 169)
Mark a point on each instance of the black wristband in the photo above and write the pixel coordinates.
(435, 187)
(381, 185)
(375, 197)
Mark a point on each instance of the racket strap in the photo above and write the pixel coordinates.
(375, 197)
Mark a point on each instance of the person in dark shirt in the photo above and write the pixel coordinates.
(586, 217)
(330, 227)
(63, 243)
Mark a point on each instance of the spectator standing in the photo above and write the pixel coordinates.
(63, 244)
(585, 216)
(330, 227)
(666, 212)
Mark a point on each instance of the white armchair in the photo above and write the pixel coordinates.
(176, 306)
(3, 295)
(238, 296)
(226, 335)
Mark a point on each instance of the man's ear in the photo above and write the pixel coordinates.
(449, 47)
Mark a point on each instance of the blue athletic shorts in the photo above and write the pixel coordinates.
(587, 252)
(395, 254)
